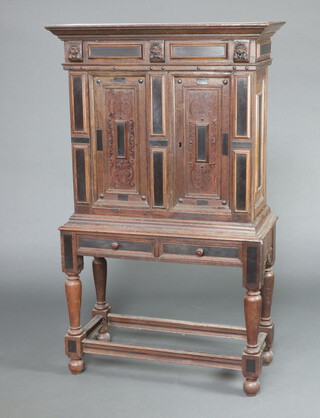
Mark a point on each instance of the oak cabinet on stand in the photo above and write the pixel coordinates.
(168, 132)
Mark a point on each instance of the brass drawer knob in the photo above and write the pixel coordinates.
(114, 245)
(199, 252)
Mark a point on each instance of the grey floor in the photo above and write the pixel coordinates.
(35, 381)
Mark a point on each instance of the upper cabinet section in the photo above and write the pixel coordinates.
(207, 44)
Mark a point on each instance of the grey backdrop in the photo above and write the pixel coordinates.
(36, 197)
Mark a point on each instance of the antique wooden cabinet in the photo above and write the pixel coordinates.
(168, 132)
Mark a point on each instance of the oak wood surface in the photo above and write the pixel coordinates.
(169, 139)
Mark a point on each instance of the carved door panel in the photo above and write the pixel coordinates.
(201, 153)
(120, 158)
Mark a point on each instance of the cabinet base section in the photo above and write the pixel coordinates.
(87, 343)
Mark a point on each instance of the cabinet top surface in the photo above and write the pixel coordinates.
(255, 29)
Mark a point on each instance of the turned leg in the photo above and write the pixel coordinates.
(266, 323)
(99, 266)
(252, 309)
(73, 294)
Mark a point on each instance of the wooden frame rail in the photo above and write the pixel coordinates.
(175, 326)
(162, 354)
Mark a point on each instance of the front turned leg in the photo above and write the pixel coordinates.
(251, 369)
(99, 266)
(266, 323)
(73, 343)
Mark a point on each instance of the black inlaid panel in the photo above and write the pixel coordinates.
(72, 347)
(119, 80)
(121, 152)
(242, 106)
(82, 140)
(201, 202)
(241, 181)
(225, 144)
(157, 105)
(99, 140)
(116, 51)
(123, 245)
(198, 51)
(202, 143)
(252, 260)
(158, 142)
(250, 366)
(81, 176)
(123, 197)
(259, 139)
(67, 245)
(265, 49)
(77, 102)
(241, 144)
(224, 252)
(158, 178)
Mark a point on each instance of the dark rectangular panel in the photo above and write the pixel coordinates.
(79, 140)
(123, 197)
(158, 178)
(252, 259)
(224, 252)
(116, 51)
(241, 144)
(99, 140)
(72, 347)
(242, 106)
(123, 245)
(259, 139)
(202, 143)
(67, 249)
(77, 102)
(121, 152)
(81, 175)
(157, 105)
(250, 366)
(241, 181)
(119, 80)
(198, 51)
(225, 144)
(265, 49)
(202, 202)
(158, 142)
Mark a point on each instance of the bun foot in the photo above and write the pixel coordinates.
(267, 357)
(105, 336)
(251, 387)
(76, 366)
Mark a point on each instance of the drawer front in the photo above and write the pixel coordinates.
(200, 252)
(111, 246)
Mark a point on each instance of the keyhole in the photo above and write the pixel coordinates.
(180, 144)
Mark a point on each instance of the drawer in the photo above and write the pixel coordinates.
(115, 247)
(201, 251)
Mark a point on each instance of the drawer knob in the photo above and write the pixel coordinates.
(199, 252)
(114, 245)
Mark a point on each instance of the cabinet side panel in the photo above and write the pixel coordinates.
(260, 140)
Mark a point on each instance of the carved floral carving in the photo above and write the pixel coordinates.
(75, 52)
(241, 53)
(202, 109)
(157, 52)
(121, 171)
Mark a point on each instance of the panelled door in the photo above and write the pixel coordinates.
(201, 143)
(119, 157)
